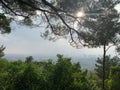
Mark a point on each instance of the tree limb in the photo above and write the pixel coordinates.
(12, 10)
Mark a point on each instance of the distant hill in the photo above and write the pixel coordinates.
(86, 61)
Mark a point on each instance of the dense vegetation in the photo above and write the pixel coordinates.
(48, 75)
(100, 27)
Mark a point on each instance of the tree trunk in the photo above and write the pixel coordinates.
(104, 57)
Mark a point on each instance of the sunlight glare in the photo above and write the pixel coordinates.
(80, 14)
(117, 7)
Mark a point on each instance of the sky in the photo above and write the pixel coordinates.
(27, 41)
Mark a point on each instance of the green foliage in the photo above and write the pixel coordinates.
(44, 75)
(9, 75)
(115, 61)
(29, 79)
(3, 65)
(103, 17)
(29, 59)
(114, 78)
(94, 80)
(4, 24)
(62, 74)
(20, 6)
(2, 48)
(103, 29)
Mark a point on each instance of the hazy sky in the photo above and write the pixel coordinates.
(27, 41)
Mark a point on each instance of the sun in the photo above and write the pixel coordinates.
(80, 14)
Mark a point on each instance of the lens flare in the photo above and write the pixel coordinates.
(80, 14)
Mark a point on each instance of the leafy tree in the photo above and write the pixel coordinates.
(2, 48)
(14, 70)
(4, 79)
(59, 15)
(4, 24)
(3, 64)
(76, 67)
(29, 59)
(9, 73)
(102, 30)
(44, 75)
(31, 78)
(114, 78)
(62, 12)
(115, 61)
(49, 11)
(47, 68)
(80, 81)
(69, 76)
(62, 74)
(94, 80)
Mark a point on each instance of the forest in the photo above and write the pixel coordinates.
(60, 75)
(83, 23)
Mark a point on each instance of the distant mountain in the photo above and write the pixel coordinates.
(86, 61)
(13, 57)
